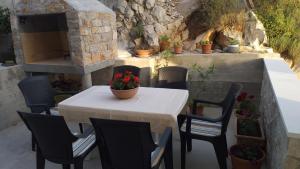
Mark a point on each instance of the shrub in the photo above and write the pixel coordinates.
(282, 23)
(4, 20)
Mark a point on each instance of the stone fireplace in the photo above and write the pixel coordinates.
(64, 36)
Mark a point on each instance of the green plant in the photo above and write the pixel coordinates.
(224, 13)
(246, 106)
(249, 127)
(4, 20)
(139, 30)
(124, 81)
(164, 38)
(178, 43)
(246, 152)
(166, 55)
(282, 23)
(205, 42)
(196, 72)
(233, 42)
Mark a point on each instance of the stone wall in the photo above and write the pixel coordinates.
(157, 17)
(92, 34)
(246, 69)
(11, 97)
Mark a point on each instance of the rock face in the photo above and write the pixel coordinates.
(184, 20)
(158, 17)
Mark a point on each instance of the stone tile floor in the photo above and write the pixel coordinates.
(15, 151)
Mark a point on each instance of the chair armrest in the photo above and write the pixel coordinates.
(86, 133)
(195, 101)
(44, 106)
(213, 120)
(158, 153)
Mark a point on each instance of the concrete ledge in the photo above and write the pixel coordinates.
(280, 104)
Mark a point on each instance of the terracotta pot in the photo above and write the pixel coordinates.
(178, 50)
(206, 49)
(164, 45)
(238, 163)
(143, 52)
(125, 94)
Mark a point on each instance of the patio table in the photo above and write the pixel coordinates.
(158, 106)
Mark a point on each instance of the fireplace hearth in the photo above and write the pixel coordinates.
(64, 36)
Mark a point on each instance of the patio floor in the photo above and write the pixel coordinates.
(15, 148)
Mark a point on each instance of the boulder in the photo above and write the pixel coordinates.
(150, 35)
(159, 13)
(149, 4)
(160, 29)
(121, 6)
(255, 33)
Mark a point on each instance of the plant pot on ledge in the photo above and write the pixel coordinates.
(246, 157)
(250, 132)
(142, 53)
(164, 43)
(206, 47)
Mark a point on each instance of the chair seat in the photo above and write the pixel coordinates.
(204, 128)
(81, 145)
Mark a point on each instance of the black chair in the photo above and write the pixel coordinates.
(39, 96)
(212, 130)
(122, 69)
(129, 145)
(172, 77)
(55, 141)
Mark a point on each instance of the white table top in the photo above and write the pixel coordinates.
(154, 105)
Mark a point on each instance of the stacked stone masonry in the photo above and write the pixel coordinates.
(92, 34)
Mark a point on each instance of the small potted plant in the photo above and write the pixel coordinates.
(246, 157)
(141, 50)
(203, 74)
(234, 46)
(124, 85)
(250, 132)
(206, 47)
(164, 42)
(246, 107)
(178, 47)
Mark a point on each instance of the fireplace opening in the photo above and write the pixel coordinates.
(45, 39)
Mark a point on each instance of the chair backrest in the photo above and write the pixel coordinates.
(228, 105)
(173, 77)
(52, 135)
(123, 144)
(122, 69)
(37, 90)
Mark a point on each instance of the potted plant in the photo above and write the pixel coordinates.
(206, 46)
(164, 42)
(246, 157)
(6, 45)
(250, 132)
(234, 46)
(203, 74)
(141, 49)
(178, 47)
(246, 107)
(124, 85)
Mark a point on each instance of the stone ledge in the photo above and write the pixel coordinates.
(285, 85)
